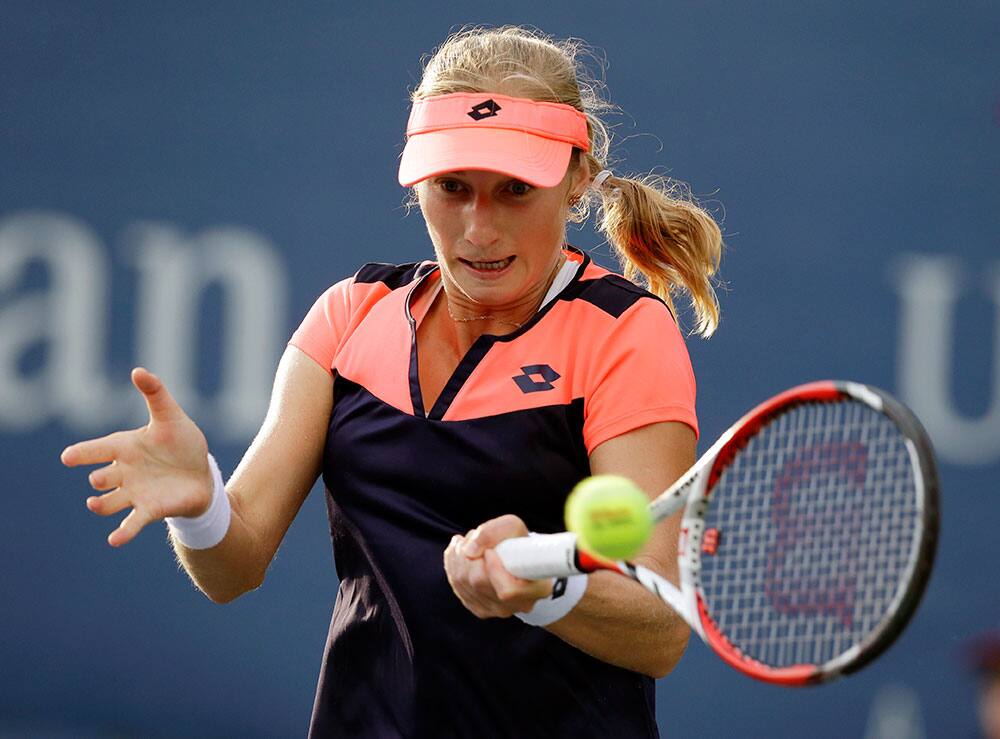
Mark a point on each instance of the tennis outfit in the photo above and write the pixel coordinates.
(510, 433)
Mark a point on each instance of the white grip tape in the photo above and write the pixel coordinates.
(208, 529)
(540, 555)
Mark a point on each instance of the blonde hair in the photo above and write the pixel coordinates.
(662, 238)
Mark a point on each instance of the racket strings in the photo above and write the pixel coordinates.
(817, 520)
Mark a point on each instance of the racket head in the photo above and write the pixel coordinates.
(812, 535)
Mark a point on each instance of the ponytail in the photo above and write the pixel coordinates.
(664, 241)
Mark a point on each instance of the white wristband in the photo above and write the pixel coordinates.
(208, 529)
(566, 593)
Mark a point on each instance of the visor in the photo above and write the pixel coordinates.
(523, 138)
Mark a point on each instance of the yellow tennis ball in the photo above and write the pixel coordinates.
(610, 516)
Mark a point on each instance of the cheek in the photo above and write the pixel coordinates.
(547, 224)
(439, 224)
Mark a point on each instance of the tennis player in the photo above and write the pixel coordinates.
(452, 403)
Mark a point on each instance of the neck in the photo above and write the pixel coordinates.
(472, 320)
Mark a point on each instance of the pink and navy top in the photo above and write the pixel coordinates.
(510, 433)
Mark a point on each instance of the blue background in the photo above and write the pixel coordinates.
(845, 147)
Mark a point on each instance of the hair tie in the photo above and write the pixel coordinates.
(598, 182)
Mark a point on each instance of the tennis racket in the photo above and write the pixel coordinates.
(807, 539)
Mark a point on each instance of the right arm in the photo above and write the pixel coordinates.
(271, 482)
(161, 470)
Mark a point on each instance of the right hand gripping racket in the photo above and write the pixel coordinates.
(808, 534)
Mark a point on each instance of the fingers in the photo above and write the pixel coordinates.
(94, 451)
(106, 478)
(467, 579)
(110, 503)
(485, 587)
(161, 404)
(489, 534)
(143, 511)
(515, 592)
(129, 528)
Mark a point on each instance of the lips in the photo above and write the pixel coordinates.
(494, 266)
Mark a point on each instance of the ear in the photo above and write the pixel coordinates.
(579, 177)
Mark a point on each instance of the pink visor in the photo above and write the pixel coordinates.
(523, 138)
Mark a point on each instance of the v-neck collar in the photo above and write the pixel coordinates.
(480, 347)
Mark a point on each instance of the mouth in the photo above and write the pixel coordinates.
(496, 265)
(489, 269)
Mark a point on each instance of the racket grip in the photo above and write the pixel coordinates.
(539, 556)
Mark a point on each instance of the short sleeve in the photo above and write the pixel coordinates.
(641, 374)
(322, 329)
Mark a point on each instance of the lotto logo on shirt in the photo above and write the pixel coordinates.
(528, 382)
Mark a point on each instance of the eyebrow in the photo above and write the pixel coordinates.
(461, 172)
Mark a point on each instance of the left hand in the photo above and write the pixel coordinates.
(478, 577)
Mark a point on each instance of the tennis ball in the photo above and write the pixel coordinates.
(609, 515)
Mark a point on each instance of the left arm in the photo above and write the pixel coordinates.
(617, 621)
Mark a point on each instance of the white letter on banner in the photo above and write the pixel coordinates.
(68, 317)
(253, 278)
(175, 272)
(929, 287)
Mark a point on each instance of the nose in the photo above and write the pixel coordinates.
(481, 226)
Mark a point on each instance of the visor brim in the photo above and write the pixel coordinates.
(539, 161)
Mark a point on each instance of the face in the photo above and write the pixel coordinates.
(497, 239)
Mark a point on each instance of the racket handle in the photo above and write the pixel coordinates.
(539, 556)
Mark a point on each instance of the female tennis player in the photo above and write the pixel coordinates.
(453, 403)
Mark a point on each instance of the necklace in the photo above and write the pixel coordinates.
(515, 324)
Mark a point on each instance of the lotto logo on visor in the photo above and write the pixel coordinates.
(532, 140)
(486, 109)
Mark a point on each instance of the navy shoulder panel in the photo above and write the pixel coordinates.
(392, 275)
(611, 293)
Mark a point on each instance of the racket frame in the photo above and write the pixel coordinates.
(701, 479)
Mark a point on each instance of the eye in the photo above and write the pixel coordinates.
(520, 188)
(451, 186)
